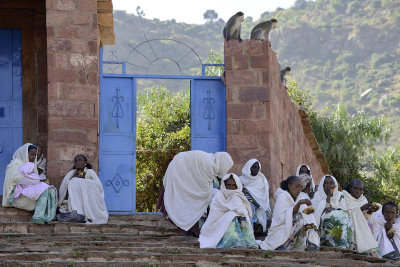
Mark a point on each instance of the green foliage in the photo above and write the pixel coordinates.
(346, 140)
(163, 130)
(385, 178)
(301, 98)
(214, 58)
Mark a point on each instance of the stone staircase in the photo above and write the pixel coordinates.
(139, 240)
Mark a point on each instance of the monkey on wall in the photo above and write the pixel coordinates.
(261, 30)
(233, 27)
(284, 72)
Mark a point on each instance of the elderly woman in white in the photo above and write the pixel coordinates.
(81, 191)
(256, 190)
(188, 187)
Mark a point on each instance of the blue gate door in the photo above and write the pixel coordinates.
(10, 97)
(117, 157)
(208, 115)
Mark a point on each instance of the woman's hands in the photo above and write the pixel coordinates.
(369, 208)
(301, 202)
(388, 227)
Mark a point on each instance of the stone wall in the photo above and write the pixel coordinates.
(73, 76)
(262, 122)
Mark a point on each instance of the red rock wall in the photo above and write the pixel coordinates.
(73, 84)
(262, 122)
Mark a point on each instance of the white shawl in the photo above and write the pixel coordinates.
(85, 195)
(282, 221)
(363, 237)
(259, 190)
(42, 164)
(13, 176)
(319, 199)
(224, 207)
(385, 246)
(312, 179)
(188, 184)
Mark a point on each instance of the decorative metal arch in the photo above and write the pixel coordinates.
(157, 55)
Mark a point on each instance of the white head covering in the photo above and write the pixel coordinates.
(312, 179)
(257, 185)
(224, 207)
(319, 200)
(188, 184)
(12, 177)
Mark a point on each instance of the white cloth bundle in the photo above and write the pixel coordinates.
(259, 189)
(282, 221)
(188, 184)
(319, 199)
(85, 195)
(13, 177)
(224, 207)
(385, 246)
(363, 237)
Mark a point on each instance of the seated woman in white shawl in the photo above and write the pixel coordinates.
(188, 187)
(387, 230)
(23, 189)
(228, 223)
(304, 172)
(359, 209)
(336, 228)
(293, 225)
(256, 190)
(81, 191)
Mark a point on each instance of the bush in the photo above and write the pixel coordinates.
(163, 130)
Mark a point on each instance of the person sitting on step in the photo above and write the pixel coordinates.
(228, 223)
(23, 189)
(387, 230)
(304, 173)
(256, 190)
(360, 212)
(293, 224)
(81, 191)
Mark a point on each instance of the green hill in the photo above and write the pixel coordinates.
(343, 51)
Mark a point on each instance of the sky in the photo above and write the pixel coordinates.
(191, 12)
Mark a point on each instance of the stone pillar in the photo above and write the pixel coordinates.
(73, 84)
(262, 122)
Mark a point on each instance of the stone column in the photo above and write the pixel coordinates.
(73, 84)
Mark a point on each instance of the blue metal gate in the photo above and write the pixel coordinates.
(117, 148)
(10, 97)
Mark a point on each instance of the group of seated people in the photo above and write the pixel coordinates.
(80, 197)
(200, 197)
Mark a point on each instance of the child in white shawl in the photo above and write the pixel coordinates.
(228, 223)
(256, 189)
(81, 191)
(336, 228)
(304, 173)
(293, 225)
(358, 207)
(387, 230)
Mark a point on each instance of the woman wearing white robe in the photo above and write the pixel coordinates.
(333, 220)
(81, 190)
(228, 223)
(291, 227)
(22, 188)
(387, 230)
(258, 188)
(188, 186)
(356, 203)
(304, 172)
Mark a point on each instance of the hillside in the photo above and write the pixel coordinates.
(342, 51)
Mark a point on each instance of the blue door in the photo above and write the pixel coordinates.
(10, 97)
(117, 151)
(208, 115)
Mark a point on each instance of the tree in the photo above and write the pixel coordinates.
(140, 12)
(210, 15)
(163, 130)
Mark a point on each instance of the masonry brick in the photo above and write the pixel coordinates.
(66, 5)
(80, 18)
(79, 123)
(259, 61)
(62, 75)
(67, 136)
(67, 32)
(70, 108)
(240, 62)
(57, 18)
(81, 92)
(90, 5)
(241, 77)
(233, 47)
(87, 33)
(58, 45)
(241, 141)
(60, 60)
(253, 94)
(240, 110)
